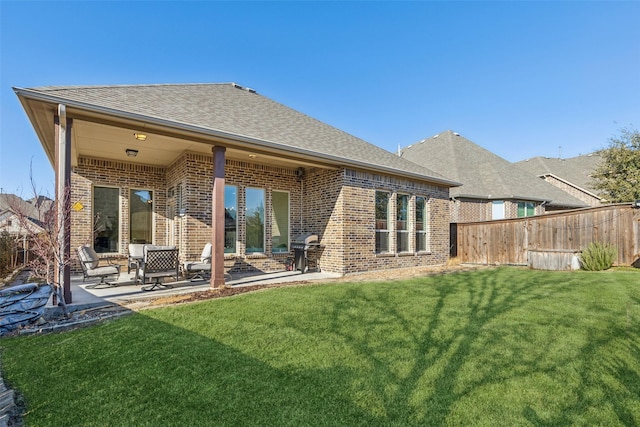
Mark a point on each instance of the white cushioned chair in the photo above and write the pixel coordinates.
(91, 268)
(136, 254)
(199, 270)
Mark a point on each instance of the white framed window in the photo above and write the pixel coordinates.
(280, 209)
(230, 218)
(526, 209)
(422, 224)
(254, 220)
(382, 221)
(402, 223)
(106, 219)
(497, 209)
(140, 216)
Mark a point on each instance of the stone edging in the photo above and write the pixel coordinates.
(7, 405)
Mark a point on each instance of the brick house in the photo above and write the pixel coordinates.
(492, 187)
(186, 164)
(572, 175)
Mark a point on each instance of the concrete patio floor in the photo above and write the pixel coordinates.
(127, 291)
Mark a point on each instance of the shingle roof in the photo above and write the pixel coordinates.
(232, 109)
(482, 173)
(34, 209)
(575, 170)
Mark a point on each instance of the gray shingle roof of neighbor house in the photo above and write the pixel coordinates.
(574, 170)
(483, 174)
(232, 111)
(34, 209)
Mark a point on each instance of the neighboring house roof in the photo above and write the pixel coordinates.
(34, 209)
(229, 111)
(10, 200)
(12, 223)
(575, 171)
(484, 175)
(13, 207)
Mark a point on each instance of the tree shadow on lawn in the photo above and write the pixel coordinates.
(436, 362)
(608, 386)
(172, 377)
(484, 359)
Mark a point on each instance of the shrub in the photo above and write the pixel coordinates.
(8, 254)
(598, 256)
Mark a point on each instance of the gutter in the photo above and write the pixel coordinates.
(243, 139)
(510, 197)
(519, 198)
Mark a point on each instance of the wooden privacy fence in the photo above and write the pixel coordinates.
(511, 241)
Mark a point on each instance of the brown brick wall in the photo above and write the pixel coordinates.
(573, 191)
(336, 204)
(91, 173)
(357, 211)
(322, 215)
(197, 199)
(472, 210)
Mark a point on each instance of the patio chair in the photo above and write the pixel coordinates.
(199, 270)
(91, 268)
(158, 262)
(136, 253)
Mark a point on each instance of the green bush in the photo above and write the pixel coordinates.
(7, 254)
(598, 256)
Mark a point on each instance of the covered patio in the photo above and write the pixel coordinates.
(185, 165)
(127, 291)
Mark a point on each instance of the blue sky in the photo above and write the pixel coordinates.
(521, 79)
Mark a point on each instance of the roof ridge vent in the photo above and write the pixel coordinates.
(248, 89)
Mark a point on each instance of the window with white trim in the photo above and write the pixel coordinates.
(497, 209)
(382, 221)
(422, 224)
(254, 220)
(279, 221)
(402, 223)
(140, 216)
(526, 209)
(106, 219)
(230, 218)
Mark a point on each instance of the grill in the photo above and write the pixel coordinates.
(306, 249)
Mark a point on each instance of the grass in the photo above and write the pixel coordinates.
(505, 346)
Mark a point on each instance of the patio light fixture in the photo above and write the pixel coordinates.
(131, 152)
(140, 136)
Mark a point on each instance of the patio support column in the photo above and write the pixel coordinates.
(217, 217)
(63, 200)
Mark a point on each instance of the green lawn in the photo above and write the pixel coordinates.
(504, 346)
